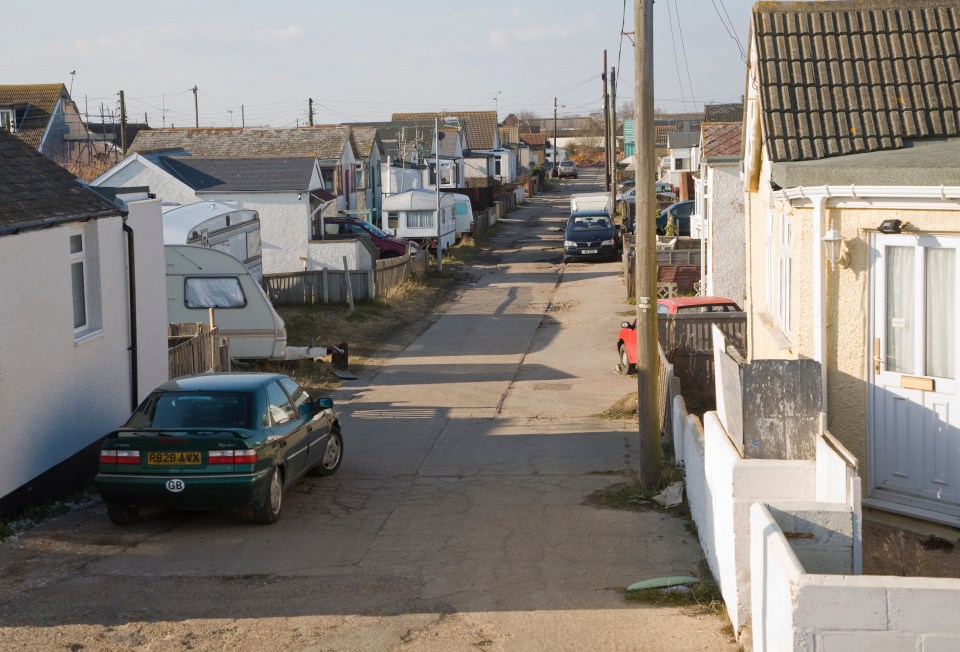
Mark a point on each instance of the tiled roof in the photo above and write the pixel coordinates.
(365, 137)
(34, 104)
(35, 190)
(843, 76)
(112, 130)
(723, 112)
(480, 126)
(240, 175)
(721, 139)
(325, 143)
(534, 140)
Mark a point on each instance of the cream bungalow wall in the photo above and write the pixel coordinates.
(46, 371)
(848, 298)
(140, 172)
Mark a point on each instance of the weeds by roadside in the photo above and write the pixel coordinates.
(36, 514)
(623, 408)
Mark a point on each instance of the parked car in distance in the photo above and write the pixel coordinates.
(548, 167)
(626, 184)
(681, 211)
(387, 244)
(589, 235)
(627, 338)
(218, 441)
(567, 169)
(629, 195)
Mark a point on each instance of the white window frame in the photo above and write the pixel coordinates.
(80, 258)
(8, 121)
(784, 273)
(769, 263)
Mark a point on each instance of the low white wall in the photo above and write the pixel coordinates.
(721, 486)
(519, 195)
(794, 610)
(329, 254)
(839, 482)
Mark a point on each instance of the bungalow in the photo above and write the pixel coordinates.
(78, 306)
(852, 173)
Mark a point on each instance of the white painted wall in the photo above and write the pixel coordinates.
(328, 254)
(796, 610)
(721, 486)
(137, 173)
(477, 167)
(726, 249)
(46, 372)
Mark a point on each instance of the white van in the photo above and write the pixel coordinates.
(200, 279)
(591, 201)
(217, 225)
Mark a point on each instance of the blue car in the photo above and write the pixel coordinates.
(589, 235)
(681, 211)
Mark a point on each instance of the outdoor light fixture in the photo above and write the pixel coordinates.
(890, 227)
(833, 243)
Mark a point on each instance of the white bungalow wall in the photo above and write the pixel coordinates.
(46, 371)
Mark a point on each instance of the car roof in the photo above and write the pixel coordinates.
(220, 382)
(696, 301)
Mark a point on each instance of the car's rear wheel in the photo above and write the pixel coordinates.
(122, 514)
(624, 367)
(332, 456)
(268, 511)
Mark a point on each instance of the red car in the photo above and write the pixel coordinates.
(627, 341)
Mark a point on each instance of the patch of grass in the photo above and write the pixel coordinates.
(35, 514)
(624, 408)
(633, 495)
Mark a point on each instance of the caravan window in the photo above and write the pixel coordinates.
(208, 292)
(421, 220)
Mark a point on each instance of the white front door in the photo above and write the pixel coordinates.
(915, 408)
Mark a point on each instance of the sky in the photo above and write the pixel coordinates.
(258, 63)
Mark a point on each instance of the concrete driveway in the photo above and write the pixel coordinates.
(457, 521)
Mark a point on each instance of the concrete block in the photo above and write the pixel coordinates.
(825, 608)
(820, 534)
(775, 480)
(924, 609)
(939, 643)
(854, 641)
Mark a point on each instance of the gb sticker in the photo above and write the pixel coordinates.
(176, 486)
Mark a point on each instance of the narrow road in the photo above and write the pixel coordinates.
(458, 519)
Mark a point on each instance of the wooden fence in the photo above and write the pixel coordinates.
(687, 342)
(196, 348)
(330, 286)
(392, 272)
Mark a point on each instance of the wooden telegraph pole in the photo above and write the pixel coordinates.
(648, 359)
(613, 136)
(196, 108)
(606, 125)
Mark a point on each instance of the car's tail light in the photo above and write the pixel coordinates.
(242, 456)
(119, 457)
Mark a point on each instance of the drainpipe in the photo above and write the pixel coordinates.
(820, 300)
(132, 289)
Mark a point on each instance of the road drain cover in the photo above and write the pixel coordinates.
(553, 387)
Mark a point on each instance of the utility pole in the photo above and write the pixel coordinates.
(243, 118)
(613, 136)
(648, 359)
(555, 173)
(310, 110)
(196, 108)
(606, 125)
(123, 125)
(436, 135)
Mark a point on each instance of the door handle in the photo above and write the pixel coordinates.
(877, 360)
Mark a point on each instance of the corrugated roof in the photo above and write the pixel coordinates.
(35, 190)
(721, 139)
(35, 104)
(480, 126)
(843, 76)
(241, 175)
(326, 143)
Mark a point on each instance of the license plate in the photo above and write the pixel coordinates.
(173, 459)
(589, 251)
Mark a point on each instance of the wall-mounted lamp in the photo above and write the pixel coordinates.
(891, 227)
(833, 243)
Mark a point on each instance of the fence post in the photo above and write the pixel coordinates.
(326, 288)
(371, 284)
(346, 277)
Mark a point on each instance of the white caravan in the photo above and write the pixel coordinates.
(217, 225)
(200, 279)
(413, 215)
(463, 212)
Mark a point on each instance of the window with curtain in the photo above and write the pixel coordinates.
(784, 274)
(899, 309)
(214, 292)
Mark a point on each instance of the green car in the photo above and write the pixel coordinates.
(218, 441)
